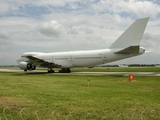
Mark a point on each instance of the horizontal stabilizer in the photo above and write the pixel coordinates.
(129, 50)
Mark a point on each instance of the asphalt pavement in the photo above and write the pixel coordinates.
(86, 73)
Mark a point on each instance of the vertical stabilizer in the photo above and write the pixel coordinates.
(132, 36)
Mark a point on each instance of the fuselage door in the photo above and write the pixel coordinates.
(104, 57)
(71, 58)
(52, 59)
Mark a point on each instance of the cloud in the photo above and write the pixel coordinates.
(58, 25)
(151, 42)
(6, 7)
(50, 29)
(75, 29)
(142, 8)
(4, 34)
(127, 7)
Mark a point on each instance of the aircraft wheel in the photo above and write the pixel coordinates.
(68, 70)
(50, 71)
(65, 70)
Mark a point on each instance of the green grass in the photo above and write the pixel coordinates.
(117, 69)
(21, 95)
(113, 69)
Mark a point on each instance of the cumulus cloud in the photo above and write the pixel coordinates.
(151, 42)
(142, 8)
(75, 30)
(6, 7)
(50, 29)
(75, 24)
(136, 7)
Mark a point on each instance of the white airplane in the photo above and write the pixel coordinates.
(127, 45)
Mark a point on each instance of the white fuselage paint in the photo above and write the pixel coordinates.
(89, 58)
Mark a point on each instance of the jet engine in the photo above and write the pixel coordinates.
(26, 66)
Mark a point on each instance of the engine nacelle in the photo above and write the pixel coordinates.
(26, 66)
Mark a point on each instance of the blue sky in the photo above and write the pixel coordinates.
(68, 25)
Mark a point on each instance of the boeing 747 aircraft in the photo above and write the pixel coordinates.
(127, 45)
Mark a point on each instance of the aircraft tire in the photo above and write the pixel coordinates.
(65, 70)
(50, 71)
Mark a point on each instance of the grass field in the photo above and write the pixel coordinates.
(49, 96)
(117, 69)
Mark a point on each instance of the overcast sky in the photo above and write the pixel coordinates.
(69, 25)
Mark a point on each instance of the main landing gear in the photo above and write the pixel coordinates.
(65, 70)
(50, 70)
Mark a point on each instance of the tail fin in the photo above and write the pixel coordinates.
(132, 36)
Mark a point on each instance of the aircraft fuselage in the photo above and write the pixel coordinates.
(80, 58)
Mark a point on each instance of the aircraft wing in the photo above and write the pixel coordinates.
(41, 62)
(129, 50)
(35, 59)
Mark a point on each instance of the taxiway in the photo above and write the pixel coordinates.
(87, 73)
